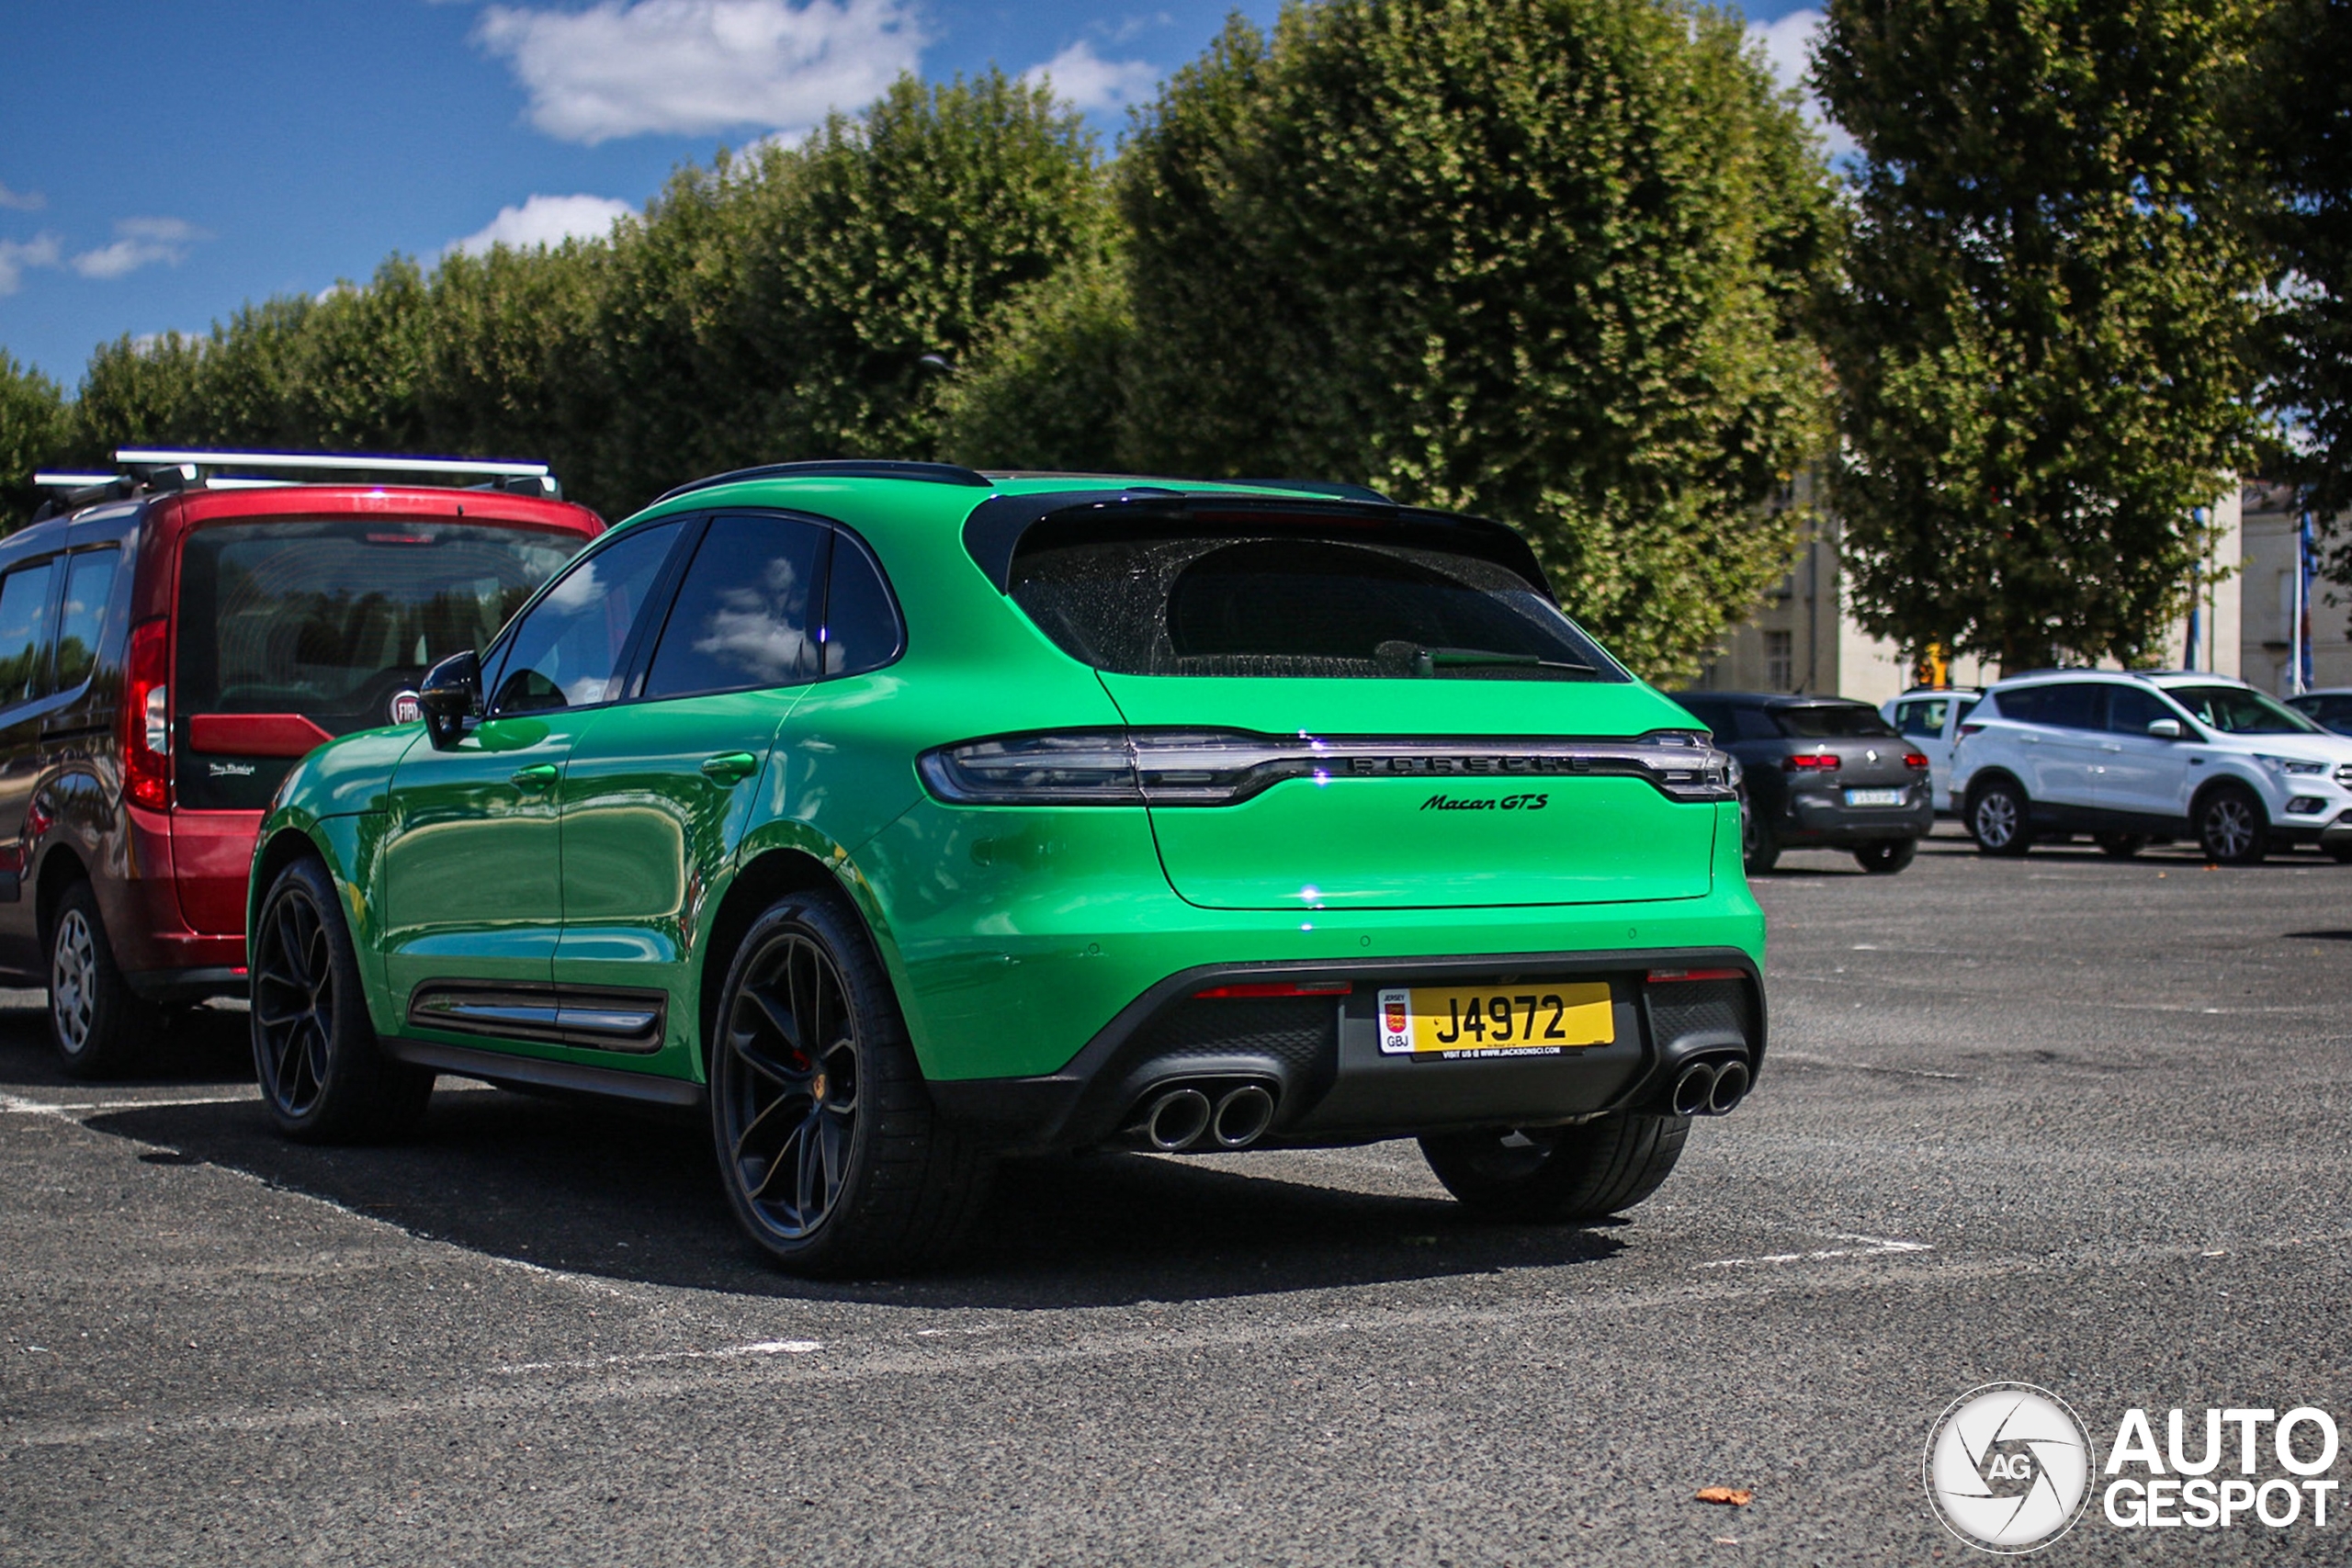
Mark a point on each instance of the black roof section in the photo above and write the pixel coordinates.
(994, 533)
(839, 469)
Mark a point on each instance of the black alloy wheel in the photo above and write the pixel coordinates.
(831, 1158)
(1887, 856)
(1997, 819)
(1559, 1175)
(2233, 827)
(322, 1075)
(2120, 846)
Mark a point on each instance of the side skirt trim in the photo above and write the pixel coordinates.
(531, 1073)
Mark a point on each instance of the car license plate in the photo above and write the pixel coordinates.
(1539, 1019)
(1873, 797)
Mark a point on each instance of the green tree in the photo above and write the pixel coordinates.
(2044, 339)
(1549, 260)
(35, 431)
(1047, 388)
(2299, 129)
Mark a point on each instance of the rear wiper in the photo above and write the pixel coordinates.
(1429, 662)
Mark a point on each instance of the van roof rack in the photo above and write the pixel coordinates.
(165, 469)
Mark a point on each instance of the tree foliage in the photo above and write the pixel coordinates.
(34, 429)
(2297, 127)
(2044, 341)
(1548, 260)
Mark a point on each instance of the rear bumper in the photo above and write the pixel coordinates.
(1810, 819)
(1321, 1057)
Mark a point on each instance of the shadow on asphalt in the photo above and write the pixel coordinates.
(604, 1193)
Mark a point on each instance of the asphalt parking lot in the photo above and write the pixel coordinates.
(2068, 1121)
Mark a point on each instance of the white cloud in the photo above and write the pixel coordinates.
(622, 67)
(544, 221)
(22, 200)
(1091, 82)
(139, 241)
(18, 254)
(1788, 48)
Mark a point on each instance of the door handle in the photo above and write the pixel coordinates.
(538, 775)
(730, 767)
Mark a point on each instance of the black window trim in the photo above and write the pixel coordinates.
(493, 657)
(115, 586)
(642, 646)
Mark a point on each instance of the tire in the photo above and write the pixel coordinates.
(1758, 851)
(1887, 856)
(99, 1028)
(1998, 819)
(2233, 827)
(2120, 846)
(827, 1183)
(1560, 1174)
(323, 1077)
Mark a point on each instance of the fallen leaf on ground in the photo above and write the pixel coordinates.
(1737, 1497)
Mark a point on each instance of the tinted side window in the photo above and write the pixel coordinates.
(1925, 718)
(862, 629)
(25, 631)
(566, 651)
(741, 618)
(89, 580)
(2074, 705)
(2130, 711)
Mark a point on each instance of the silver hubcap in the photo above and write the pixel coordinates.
(72, 979)
(2229, 827)
(1997, 819)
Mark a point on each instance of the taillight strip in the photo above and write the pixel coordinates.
(1199, 767)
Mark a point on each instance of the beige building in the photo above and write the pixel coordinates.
(1804, 636)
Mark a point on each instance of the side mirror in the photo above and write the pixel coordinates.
(2164, 729)
(451, 694)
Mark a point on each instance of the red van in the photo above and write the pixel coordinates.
(171, 640)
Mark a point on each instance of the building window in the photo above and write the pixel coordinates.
(1780, 662)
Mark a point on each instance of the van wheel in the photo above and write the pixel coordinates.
(322, 1075)
(831, 1156)
(1997, 819)
(1887, 856)
(2231, 826)
(99, 1028)
(1559, 1175)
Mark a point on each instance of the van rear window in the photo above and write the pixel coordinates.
(329, 620)
(1291, 605)
(1830, 721)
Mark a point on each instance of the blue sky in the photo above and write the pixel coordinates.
(162, 163)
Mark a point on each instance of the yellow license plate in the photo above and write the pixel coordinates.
(1536, 1018)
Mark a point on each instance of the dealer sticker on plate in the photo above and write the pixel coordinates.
(1540, 1019)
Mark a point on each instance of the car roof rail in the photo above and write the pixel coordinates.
(172, 468)
(840, 469)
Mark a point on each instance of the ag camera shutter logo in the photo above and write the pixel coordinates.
(2007, 1467)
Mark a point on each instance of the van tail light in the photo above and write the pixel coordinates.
(1915, 759)
(147, 717)
(1809, 762)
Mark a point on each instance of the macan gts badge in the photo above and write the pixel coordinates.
(898, 816)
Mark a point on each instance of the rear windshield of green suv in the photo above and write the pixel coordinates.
(1287, 605)
(329, 619)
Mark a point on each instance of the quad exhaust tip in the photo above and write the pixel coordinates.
(1710, 1089)
(1206, 1114)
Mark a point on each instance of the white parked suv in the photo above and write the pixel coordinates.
(2130, 758)
(1931, 716)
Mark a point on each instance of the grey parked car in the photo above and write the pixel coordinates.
(1821, 772)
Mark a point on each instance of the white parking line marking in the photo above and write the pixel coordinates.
(758, 1347)
(71, 1109)
(1867, 1246)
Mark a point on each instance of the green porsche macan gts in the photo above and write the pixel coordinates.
(904, 817)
